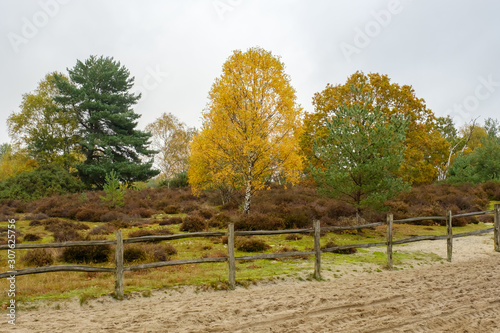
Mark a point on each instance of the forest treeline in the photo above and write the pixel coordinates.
(365, 141)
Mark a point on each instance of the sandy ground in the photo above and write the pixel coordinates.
(463, 296)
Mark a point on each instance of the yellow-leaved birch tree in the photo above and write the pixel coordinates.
(250, 128)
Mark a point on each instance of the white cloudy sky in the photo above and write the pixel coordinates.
(448, 50)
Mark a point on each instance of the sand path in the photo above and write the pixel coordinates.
(463, 296)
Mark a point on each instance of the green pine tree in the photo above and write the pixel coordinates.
(359, 159)
(99, 92)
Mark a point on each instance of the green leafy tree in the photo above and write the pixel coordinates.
(478, 162)
(46, 131)
(98, 92)
(42, 182)
(359, 158)
(425, 148)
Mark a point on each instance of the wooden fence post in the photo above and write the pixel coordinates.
(496, 230)
(389, 241)
(119, 265)
(317, 250)
(449, 231)
(230, 257)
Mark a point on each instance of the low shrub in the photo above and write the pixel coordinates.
(251, 244)
(149, 252)
(189, 207)
(87, 254)
(90, 214)
(331, 244)
(150, 232)
(337, 209)
(492, 189)
(31, 238)
(172, 209)
(162, 252)
(259, 221)
(134, 253)
(193, 223)
(142, 212)
(112, 216)
(170, 221)
(297, 221)
(34, 223)
(205, 213)
(220, 220)
(38, 257)
(293, 237)
(104, 229)
(66, 235)
(39, 216)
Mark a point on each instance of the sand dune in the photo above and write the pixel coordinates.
(463, 296)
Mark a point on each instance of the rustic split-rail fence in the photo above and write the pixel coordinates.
(119, 268)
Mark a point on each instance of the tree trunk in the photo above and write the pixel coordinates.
(248, 198)
(248, 190)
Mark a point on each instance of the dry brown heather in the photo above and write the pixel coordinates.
(276, 208)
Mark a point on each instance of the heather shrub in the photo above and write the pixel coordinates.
(161, 252)
(119, 224)
(31, 238)
(256, 221)
(34, 223)
(142, 212)
(170, 221)
(337, 209)
(38, 257)
(293, 237)
(205, 213)
(149, 252)
(90, 214)
(331, 244)
(87, 254)
(220, 220)
(193, 223)
(39, 216)
(104, 229)
(189, 207)
(112, 216)
(150, 232)
(251, 244)
(492, 189)
(133, 253)
(66, 235)
(172, 209)
(297, 221)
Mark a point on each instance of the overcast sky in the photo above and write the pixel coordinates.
(449, 51)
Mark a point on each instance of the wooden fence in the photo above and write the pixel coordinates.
(119, 268)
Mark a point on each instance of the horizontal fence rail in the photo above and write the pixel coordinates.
(119, 268)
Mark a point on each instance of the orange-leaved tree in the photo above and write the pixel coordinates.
(250, 128)
(426, 149)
